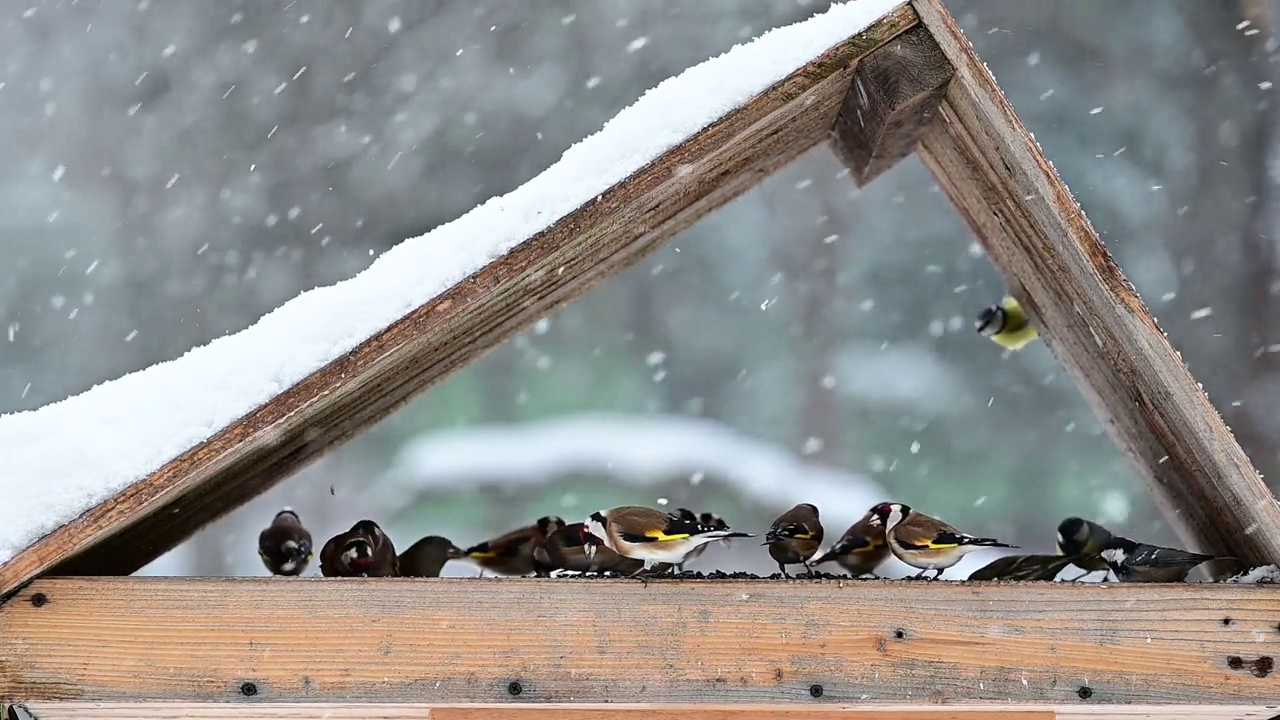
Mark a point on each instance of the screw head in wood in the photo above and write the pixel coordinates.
(514, 688)
(1085, 692)
(248, 689)
(39, 599)
(815, 690)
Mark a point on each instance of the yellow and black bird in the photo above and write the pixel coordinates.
(565, 549)
(427, 557)
(363, 551)
(926, 542)
(1007, 325)
(543, 529)
(650, 535)
(861, 549)
(512, 552)
(794, 537)
(1133, 561)
(709, 519)
(1023, 567)
(1084, 540)
(285, 545)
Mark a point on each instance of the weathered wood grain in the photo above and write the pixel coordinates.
(796, 711)
(891, 101)
(554, 267)
(1089, 315)
(467, 640)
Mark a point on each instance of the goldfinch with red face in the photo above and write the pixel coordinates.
(285, 546)
(653, 536)
(512, 553)
(363, 551)
(925, 542)
(794, 537)
(861, 549)
(427, 557)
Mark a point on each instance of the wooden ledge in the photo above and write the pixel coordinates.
(458, 640)
(507, 711)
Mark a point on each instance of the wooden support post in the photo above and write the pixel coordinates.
(557, 265)
(891, 101)
(1088, 313)
(256, 640)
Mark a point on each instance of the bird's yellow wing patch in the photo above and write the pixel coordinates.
(483, 555)
(803, 536)
(661, 536)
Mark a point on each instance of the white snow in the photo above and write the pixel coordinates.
(639, 449)
(1260, 574)
(61, 459)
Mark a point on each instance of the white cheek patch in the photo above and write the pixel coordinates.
(1060, 539)
(288, 566)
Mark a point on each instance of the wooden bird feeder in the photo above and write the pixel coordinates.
(74, 647)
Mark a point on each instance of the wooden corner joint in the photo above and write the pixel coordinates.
(893, 97)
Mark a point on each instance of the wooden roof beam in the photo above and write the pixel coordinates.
(928, 89)
(467, 640)
(600, 239)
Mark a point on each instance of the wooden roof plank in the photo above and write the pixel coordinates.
(554, 267)
(467, 640)
(1089, 315)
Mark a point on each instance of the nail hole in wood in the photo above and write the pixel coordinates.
(899, 634)
(1235, 662)
(1226, 622)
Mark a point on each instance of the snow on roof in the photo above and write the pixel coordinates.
(62, 459)
(639, 449)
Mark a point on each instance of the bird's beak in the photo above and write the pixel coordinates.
(455, 553)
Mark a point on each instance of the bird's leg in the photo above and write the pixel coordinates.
(920, 574)
(783, 568)
(938, 574)
(807, 569)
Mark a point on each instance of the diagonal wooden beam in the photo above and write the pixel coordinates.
(555, 266)
(1089, 315)
(456, 640)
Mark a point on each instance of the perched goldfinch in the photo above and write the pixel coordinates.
(794, 537)
(654, 536)
(363, 551)
(925, 542)
(426, 558)
(861, 549)
(565, 549)
(1133, 561)
(1006, 324)
(285, 546)
(1083, 540)
(709, 519)
(511, 553)
(542, 529)
(1023, 567)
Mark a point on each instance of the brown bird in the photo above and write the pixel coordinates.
(709, 519)
(1023, 567)
(426, 558)
(565, 549)
(363, 551)
(861, 549)
(794, 537)
(926, 542)
(654, 536)
(285, 546)
(543, 529)
(512, 552)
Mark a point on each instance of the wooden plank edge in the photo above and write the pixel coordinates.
(691, 711)
(601, 238)
(1107, 341)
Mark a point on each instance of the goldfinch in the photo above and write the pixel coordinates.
(709, 519)
(794, 537)
(565, 549)
(653, 536)
(285, 546)
(1084, 540)
(861, 549)
(925, 542)
(1023, 567)
(1133, 561)
(1007, 325)
(511, 553)
(542, 529)
(427, 557)
(363, 551)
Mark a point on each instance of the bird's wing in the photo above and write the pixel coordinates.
(1153, 556)
(660, 528)
(797, 530)
(928, 536)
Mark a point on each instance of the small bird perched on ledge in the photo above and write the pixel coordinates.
(1023, 567)
(285, 546)
(794, 537)
(925, 542)
(709, 519)
(1133, 561)
(650, 535)
(512, 552)
(427, 557)
(363, 551)
(1084, 540)
(1007, 325)
(861, 549)
(565, 549)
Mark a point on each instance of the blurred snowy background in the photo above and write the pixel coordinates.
(172, 170)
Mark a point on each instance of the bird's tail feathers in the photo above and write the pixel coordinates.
(986, 542)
